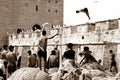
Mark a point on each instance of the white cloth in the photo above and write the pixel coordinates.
(20, 51)
(2, 67)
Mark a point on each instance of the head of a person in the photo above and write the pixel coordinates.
(80, 54)
(70, 45)
(99, 61)
(35, 55)
(5, 47)
(11, 48)
(110, 51)
(86, 48)
(53, 52)
(43, 32)
(29, 52)
(56, 46)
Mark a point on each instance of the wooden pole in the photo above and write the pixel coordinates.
(60, 29)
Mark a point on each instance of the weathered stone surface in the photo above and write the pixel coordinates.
(55, 76)
(29, 74)
(26, 13)
(52, 70)
(91, 70)
(106, 78)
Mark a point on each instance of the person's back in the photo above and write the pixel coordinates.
(112, 57)
(3, 53)
(43, 41)
(32, 61)
(11, 57)
(88, 58)
(69, 54)
(53, 59)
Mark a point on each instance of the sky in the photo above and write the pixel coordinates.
(98, 10)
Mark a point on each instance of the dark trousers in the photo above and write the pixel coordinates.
(2, 74)
(42, 58)
(5, 63)
(11, 68)
(113, 64)
(19, 62)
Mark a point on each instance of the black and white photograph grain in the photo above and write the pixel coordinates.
(59, 39)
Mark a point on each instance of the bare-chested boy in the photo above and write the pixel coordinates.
(42, 45)
(11, 58)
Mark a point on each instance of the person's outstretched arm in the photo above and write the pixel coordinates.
(53, 36)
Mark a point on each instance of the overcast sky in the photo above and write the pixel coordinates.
(98, 9)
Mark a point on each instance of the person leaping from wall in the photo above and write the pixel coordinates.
(42, 47)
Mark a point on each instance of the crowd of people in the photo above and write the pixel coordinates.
(12, 60)
(9, 58)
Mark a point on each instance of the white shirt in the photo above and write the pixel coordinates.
(20, 51)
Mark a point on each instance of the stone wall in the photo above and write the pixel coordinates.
(99, 39)
(26, 13)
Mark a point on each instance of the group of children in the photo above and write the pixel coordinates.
(9, 60)
(38, 60)
(12, 61)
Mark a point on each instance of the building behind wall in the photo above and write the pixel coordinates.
(26, 13)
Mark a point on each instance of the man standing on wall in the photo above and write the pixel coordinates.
(42, 48)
